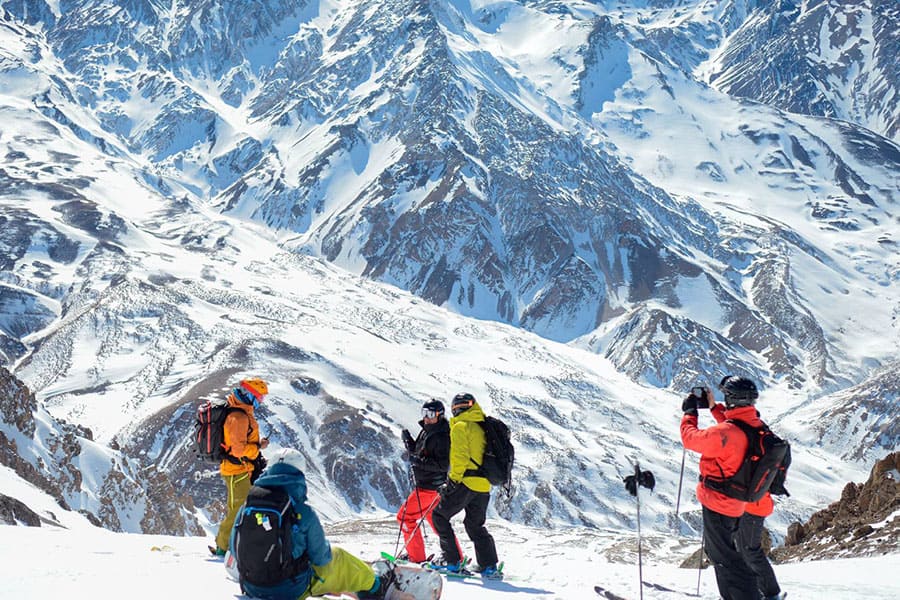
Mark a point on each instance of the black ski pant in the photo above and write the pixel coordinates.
(475, 505)
(735, 579)
(749, 544)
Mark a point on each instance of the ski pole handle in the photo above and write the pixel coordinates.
(201, 475)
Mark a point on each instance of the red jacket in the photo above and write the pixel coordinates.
(722, 448)
(762, 507)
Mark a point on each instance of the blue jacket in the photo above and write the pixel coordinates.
(308, 535)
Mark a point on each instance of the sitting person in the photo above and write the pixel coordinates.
(314, 567)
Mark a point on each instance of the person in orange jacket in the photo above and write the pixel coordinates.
(722, 448)
(243, 443)
(750, 528)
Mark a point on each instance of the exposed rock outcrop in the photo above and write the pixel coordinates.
(14, 512)
(865, 521)
(47, 453)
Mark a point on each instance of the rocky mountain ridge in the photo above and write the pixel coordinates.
(55, 457)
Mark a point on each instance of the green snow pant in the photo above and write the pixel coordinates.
(238, 489)
(345, 573)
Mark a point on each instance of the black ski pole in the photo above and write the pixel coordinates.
(419, 502)
(637, 496)
(633, 484)
(700, 562)
(433, 504)
(680, 479)
(405, 508)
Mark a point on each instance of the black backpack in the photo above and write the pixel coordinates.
(499, 455)
(209, 432)
(263, 538)
(763, 461)
(777, 488)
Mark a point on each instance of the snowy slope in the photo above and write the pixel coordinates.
(83, 562)
(332, 194)
(80, 561)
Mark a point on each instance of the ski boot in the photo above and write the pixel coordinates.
(489, 572)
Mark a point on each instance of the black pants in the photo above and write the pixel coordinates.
(749, 544)
(475, 505)
(735, 579)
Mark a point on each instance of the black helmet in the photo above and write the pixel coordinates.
(739, 391)
(433, 408)
(461, 403)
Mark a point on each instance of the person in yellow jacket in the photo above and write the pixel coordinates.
(242, 442)
(465, 490)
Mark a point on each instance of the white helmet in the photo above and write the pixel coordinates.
(290, 457)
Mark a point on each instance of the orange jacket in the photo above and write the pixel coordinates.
(241, 438)
(762, 507)
(722, 448)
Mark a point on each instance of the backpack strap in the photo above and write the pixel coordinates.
(476, 472)
(749, 431)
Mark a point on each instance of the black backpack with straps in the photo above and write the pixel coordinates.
(766, 459)
(499, 454)
(263, 539)
(209, 429)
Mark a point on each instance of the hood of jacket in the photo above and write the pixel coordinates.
(235, 402)
(287, 477)
(747, 414)
(473, 415)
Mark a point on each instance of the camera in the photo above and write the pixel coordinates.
(698, 392)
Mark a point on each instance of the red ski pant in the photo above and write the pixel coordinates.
(420, 504)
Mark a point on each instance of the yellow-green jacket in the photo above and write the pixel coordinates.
(467, 444)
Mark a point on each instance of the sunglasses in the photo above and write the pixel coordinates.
(431, 413)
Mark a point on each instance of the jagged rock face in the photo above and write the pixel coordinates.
(14, 512)
(17, 403)
(860, 422)
(819, 58)
(51, 457)
(482, 204)
(863, 522)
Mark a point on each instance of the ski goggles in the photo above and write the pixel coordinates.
(462, 403)
(431, 413)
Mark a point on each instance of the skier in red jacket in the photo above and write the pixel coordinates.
(750, 527)
(722, 448)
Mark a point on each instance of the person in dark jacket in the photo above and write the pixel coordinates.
(429, 457)
(722, 448)
(330, 570)
(466, 490)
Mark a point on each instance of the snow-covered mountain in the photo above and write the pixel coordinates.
(108, 487)
(330, 193)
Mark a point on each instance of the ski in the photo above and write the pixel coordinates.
(662, 588)
(605, 593)
(653, 586)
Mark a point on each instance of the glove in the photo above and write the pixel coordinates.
(259, 465)
(447, 488)
(408, 440)
(689, 406)
(631, 484)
